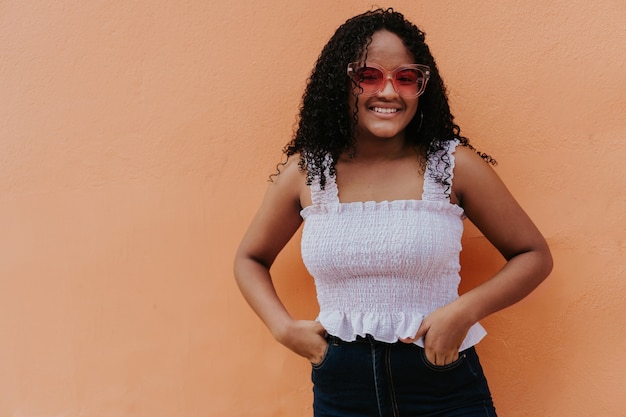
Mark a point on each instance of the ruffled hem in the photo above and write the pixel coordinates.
(388, 328)
(373, 206)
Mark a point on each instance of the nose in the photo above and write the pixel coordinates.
(388, 87)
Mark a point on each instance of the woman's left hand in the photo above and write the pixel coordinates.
(444, 331)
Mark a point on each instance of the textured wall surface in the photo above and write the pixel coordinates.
(135, 143)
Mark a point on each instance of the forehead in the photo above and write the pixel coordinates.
(388, 50)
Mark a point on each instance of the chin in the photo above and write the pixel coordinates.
(385, 134)
(385, 130)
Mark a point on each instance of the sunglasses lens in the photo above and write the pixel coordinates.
(369, 79)
(409, 81)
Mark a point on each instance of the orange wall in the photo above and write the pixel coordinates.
(135, 142)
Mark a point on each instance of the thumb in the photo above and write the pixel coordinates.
(423, 329)
(421, 332)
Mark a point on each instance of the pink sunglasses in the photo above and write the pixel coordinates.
(408, 80)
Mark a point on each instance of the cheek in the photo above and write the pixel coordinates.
(411, 107)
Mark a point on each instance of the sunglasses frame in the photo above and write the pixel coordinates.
(388, 76)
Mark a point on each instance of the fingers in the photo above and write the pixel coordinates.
(321, 330)
(441, 358)
(319, 354)
(306, 338)
(316, 343)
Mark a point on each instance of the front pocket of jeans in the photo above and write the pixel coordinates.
(441, 368)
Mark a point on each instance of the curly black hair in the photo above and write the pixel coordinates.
(325, 125)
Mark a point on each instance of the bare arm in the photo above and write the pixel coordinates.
(275, 223)
(492, 208)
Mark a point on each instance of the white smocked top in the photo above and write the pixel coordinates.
(381, 267)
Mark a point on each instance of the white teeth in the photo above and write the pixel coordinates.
(384, 110)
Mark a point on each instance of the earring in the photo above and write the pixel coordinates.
(421, 120)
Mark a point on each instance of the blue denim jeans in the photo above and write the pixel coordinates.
(367, 378)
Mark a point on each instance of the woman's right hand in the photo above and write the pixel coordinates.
(307, 338)
(274, 225)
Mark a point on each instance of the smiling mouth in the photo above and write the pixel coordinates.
(384, 110)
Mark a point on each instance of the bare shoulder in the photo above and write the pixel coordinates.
(467, 159)
(278, 217)
(291, 168)
(289, 180)
(472, 174)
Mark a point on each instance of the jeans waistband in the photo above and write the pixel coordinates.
(368, 339)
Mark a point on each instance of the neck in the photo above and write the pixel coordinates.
(379, 149)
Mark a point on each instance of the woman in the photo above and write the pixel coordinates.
(383, 179)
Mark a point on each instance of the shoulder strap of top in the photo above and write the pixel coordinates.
(440, 165)
(330, 193)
